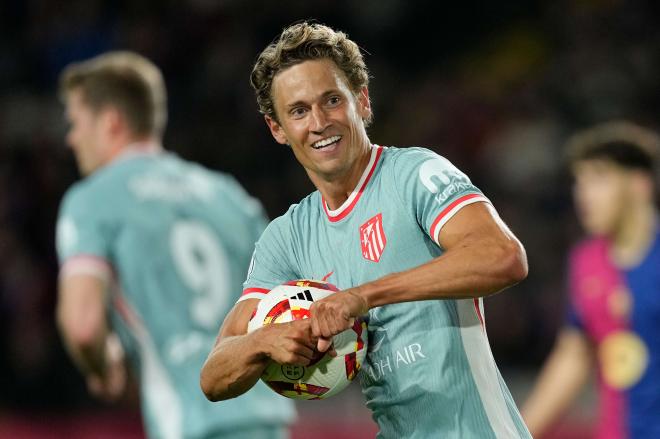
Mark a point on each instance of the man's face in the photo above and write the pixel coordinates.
(602, 193)
(320, 117)
(85, 133)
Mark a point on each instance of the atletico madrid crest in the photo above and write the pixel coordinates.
(372, 238)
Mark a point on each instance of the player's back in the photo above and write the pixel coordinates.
(180, 238)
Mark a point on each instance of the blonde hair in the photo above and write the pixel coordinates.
(302, 42)
(125, 80)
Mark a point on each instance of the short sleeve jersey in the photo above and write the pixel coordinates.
(178, 239)
(429, 371)
(618, 310)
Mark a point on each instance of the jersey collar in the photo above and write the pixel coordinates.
(138, 149)
(342, 211)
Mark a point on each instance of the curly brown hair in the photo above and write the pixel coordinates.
(302, 42)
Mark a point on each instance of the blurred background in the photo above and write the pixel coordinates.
(496, 87)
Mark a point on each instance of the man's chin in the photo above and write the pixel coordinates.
(598, 230)
(85, 170)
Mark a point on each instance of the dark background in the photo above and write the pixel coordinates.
(496, 87)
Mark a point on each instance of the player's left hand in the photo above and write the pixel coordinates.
(335, 314)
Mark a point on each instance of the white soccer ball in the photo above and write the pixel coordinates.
(326, 376)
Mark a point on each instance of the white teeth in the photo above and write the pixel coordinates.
(326, 142)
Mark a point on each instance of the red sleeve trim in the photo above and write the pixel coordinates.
(477, 308)
(450, 210)
(88, 264)
(255, 290)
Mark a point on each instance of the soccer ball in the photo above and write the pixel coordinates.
(327, 375)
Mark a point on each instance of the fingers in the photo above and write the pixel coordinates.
(315, 322)
(108, 388)
(329, 318)
(298, 350)
(292, 352)
(327, 346)
(95, 386)
(111, 384)
(299, 342)
(290, 343)
(116, 381)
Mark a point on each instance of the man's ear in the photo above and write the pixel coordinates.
(276, 130)
(112, 121)
(643, 184)
(364, 104)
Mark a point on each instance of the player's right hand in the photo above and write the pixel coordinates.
(112, 384)
(289, 343)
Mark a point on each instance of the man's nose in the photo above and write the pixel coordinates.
(319, 121)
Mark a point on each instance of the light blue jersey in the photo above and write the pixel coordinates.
(178, 238)
(429, 372)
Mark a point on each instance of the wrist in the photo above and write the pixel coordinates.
(380, 291)
(262, 348)
(363, 306)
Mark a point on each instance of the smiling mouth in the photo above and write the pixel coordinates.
(326, 142)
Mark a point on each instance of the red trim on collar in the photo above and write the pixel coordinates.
(356, 193)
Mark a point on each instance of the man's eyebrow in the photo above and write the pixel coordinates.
(330, 92)
(301, 102)
(297, 103)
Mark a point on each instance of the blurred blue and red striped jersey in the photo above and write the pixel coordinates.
(619, 311)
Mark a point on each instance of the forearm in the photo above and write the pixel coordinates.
(559, 383)
(84, 341)
(81, 319)
(481, 257)
(233, 367)
(468, 271)
(549, 401)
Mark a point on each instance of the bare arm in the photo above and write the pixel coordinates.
(482, 257)
(238, 359)
(96, 351)
(560, 381)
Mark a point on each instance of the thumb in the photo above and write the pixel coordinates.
(323, 344)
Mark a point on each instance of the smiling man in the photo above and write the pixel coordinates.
(412, 243)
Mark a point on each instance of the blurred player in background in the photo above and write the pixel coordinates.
(398, 230)
(153, 250)
(614, 282)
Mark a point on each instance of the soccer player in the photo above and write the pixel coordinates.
(153, 250)
(411, 241)
(613, 320)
